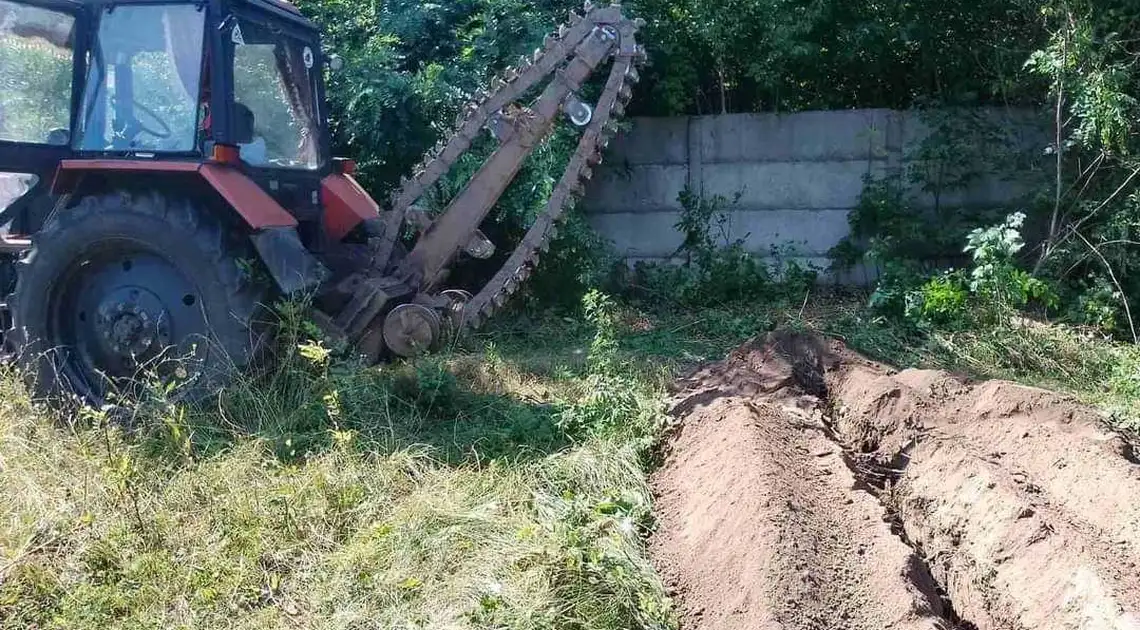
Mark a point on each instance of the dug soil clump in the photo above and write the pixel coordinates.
(808, 487)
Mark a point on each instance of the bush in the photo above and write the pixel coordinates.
(943, 301)
(990, 293)
(711, 268)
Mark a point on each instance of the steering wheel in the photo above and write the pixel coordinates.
(165, 133)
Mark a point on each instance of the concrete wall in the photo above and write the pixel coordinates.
(798, 175)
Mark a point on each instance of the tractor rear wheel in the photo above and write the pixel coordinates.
(128, 286)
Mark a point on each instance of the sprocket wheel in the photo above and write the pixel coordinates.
(411, 330)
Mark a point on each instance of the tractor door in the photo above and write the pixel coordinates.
(41, 53)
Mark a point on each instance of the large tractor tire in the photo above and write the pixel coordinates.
(126, 287)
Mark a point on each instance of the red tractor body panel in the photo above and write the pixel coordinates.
(346, 205)
(258, 209)
(255, 205)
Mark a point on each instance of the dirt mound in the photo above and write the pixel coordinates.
(809, 487)
(765, 529)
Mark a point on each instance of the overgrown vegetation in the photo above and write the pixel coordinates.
(713, 266)
(468, 489)
(1078, 213)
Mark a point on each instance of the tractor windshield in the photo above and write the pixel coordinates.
(274, 87)
(143, 86)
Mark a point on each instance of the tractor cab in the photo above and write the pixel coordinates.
(236, 80)
(178, 79)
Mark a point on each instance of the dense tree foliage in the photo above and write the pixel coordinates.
(786, 55)
(1093, 222)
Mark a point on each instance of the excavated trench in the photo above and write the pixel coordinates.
(807, 487)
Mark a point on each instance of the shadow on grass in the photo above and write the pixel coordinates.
(302, 409)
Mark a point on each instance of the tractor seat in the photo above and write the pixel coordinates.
(252, 147)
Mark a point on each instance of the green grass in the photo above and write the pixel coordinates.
(478, 489)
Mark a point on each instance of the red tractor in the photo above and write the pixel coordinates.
(165, 173)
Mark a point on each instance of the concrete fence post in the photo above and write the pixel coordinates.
(696, 156)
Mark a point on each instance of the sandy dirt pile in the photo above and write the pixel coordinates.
(808, 487)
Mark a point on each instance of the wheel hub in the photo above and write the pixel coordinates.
(132, 323)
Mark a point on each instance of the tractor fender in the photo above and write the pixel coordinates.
(347, 205)
(273, 230)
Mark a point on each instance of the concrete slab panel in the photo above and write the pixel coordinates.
(652, 141)
(804, 233)
(989, 190)
(807, 136)
(647, 188)
(775, 185)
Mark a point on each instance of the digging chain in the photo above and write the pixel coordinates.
(504, 91)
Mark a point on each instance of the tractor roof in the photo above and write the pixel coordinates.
(281, 8)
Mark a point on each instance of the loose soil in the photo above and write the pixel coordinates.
(808, 487)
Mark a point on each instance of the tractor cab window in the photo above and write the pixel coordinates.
(36, 47)
(143, 86)
(274, 113)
